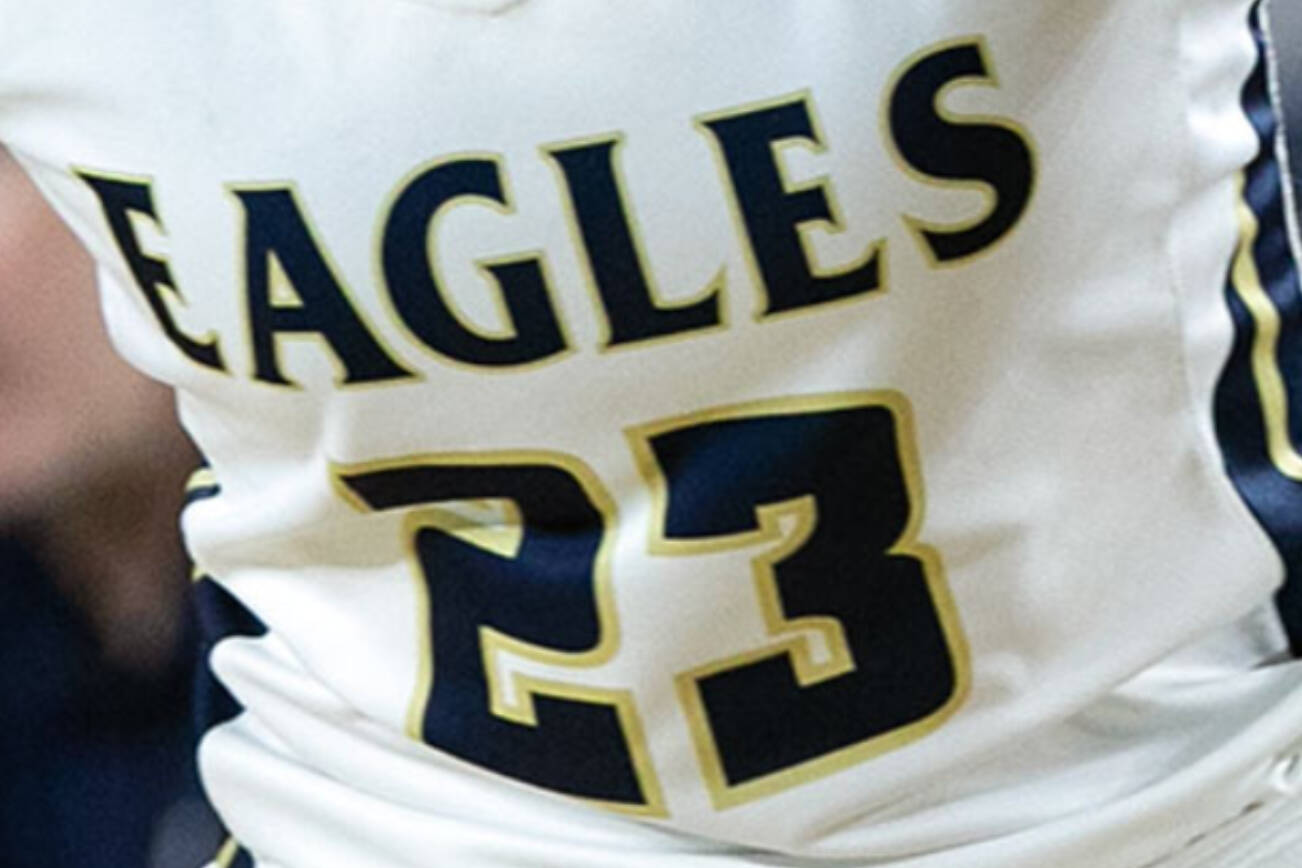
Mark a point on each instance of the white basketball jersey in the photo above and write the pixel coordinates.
(744, 432)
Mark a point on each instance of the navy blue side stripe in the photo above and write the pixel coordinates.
(1258, 402)
(220, 616)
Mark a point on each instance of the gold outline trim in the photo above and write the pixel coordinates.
(817, 145)
(786, 632)
(917, 225)
(275, 267)
(169, 296)
(715, 287)
(506, 208)
(494, 643)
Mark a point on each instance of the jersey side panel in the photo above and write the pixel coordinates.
(1259, 399)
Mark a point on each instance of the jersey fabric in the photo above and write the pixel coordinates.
(746, 432)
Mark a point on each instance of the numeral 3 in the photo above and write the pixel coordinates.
(864, 651)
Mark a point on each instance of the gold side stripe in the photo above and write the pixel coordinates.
(225, 857)
(201, 478)
(1246, 280)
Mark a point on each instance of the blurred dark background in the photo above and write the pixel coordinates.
(95, 757)
(96, 644)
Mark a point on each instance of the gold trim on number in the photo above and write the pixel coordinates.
(790, 634)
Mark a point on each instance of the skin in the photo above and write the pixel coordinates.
(92, 461)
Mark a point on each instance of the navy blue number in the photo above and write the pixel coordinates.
(545, 597)
(864, 653)
(829, 483)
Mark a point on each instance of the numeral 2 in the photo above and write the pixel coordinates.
(864, 655)
(535, 583)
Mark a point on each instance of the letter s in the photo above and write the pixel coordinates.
(990, 153)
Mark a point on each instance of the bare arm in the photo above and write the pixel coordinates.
(92, 462)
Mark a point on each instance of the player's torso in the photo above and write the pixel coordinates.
(786, 420)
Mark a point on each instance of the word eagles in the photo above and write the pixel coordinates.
(992, 154)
